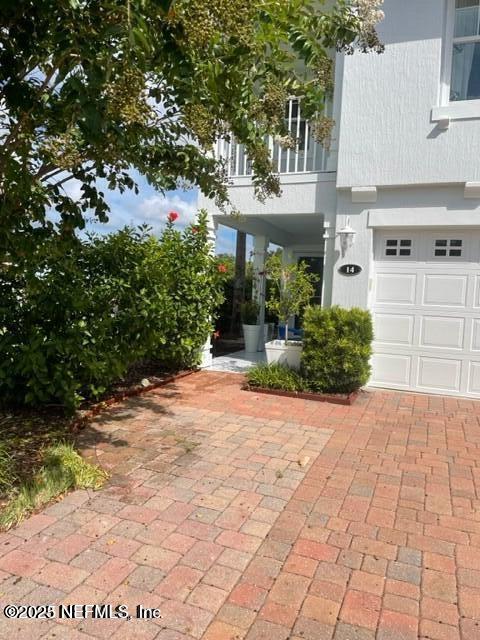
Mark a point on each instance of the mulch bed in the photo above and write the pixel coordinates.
(336, 398)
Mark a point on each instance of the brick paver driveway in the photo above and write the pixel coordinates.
(249, 516)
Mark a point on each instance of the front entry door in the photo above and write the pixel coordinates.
(315, 265)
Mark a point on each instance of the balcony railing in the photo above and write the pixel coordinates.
(309, 156)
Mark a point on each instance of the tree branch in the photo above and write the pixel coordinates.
(60, 182)
(67, 178)
(9, 140)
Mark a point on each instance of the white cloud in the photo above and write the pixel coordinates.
(155, 209)
(130, 209)
(147, 207)
(73, 189)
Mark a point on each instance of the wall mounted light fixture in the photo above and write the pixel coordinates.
(347, 237)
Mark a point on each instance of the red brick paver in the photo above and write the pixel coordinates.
(245, 517)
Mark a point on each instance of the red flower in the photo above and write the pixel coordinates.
(172, 216)
(222, 268)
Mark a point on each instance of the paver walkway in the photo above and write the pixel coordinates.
(244, 516)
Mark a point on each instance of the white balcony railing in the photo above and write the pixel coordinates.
(309, 156)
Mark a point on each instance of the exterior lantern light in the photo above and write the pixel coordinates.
(347, 237)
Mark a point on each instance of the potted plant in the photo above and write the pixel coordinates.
(291, 290)
(249, 311)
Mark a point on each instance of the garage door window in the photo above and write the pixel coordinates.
(398, 247)
(448, 248)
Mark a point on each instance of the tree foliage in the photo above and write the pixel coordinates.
(91, 89)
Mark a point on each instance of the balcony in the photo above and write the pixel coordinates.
(309, 156)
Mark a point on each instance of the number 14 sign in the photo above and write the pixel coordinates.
(350, 269)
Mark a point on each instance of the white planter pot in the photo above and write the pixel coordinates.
(251, 335)
(287, 354)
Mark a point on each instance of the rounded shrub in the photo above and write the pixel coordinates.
(336, 349)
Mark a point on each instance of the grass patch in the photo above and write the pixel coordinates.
(38, 462)
(63, 469)
(7, 469)
(275, 376)
(24, 437)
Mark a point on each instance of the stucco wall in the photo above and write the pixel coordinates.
(386, 133)
(301, 193)
(424, 207)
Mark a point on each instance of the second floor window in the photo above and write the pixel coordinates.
(465, 82)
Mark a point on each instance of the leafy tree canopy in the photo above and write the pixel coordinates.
(92, 89)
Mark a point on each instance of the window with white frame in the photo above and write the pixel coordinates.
(398, 247)
(448, 248)
(465, 80)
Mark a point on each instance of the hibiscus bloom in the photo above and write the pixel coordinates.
(172, 216)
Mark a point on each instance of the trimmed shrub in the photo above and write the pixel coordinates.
(75, 317)
(275, 376)
(336, 349)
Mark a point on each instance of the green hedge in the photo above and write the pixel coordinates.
(74, 318)
(275, 376)
(336, 349)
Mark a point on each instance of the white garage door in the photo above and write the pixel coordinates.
(426, 309)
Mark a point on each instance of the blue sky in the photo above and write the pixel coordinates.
(152, 207)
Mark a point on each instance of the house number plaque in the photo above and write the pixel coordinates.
(350, 269)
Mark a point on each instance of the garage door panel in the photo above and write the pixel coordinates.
(476, 334)
(445, 290)
(391, 368)
(396, 288)
(477, 293)
(394, 328)
(442, 332)
(474, 378)
(439, 374)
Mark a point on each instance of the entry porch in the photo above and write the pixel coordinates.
(301, 237)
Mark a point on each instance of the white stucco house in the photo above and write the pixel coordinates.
(404, 173)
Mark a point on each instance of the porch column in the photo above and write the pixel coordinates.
(260, 246)
(329, 260)
(287, 256)
(212, 227)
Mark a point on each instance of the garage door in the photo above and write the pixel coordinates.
(426, 310)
